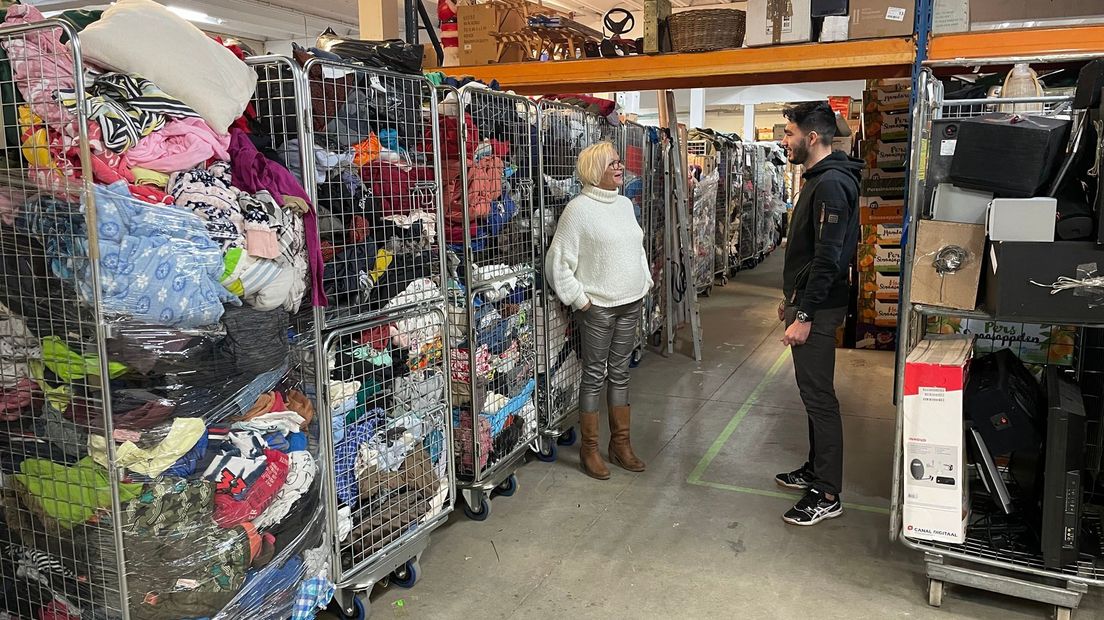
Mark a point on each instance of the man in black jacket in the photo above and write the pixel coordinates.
(824, 231)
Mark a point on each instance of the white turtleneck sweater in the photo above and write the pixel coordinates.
(597, 254)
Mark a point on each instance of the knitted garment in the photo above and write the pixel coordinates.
(597, 254)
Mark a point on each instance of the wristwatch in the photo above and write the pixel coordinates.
(802, 317)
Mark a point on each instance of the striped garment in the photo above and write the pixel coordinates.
(127, 108)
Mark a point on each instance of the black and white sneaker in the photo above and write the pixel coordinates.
(799, 479)
(812, 509)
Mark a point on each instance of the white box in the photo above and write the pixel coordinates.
(955, 204)
(834, 28)
(797, 27)
(1022, 219)
(937, 500)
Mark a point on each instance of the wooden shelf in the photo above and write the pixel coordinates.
(1036, 43)
(811, 62)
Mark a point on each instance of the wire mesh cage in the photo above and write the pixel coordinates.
(564, 130)
(654, 202)
(376, 166)
(632, 145)
(724, 202)
(488, 142)
(1008, 542)
(148, 471)
(373, 160)
(705, 189)
(749, 205)
(391, 481)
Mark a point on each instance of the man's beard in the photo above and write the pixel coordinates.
(798, 154)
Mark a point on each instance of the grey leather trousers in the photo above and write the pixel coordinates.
(609, 336)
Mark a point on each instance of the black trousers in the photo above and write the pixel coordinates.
(815, 367)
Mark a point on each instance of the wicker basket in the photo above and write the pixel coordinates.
(707, 29)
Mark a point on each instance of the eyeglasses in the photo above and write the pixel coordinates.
(617, 163)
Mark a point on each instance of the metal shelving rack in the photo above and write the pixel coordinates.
(379, 356)
(978, 563)
(492, 291)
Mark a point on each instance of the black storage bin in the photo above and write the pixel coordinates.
(1010, 155)
(1011, 268)
(826, 8)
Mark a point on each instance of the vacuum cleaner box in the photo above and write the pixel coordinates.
(937, 499)
(793, 25)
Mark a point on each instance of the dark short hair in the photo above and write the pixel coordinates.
(814, 116)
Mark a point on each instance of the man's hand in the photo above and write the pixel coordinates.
(797, 333)
(782, 310)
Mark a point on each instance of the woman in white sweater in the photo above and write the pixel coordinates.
(597, 265)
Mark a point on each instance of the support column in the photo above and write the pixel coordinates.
(749, 134)
(697, 108)
(379, 19)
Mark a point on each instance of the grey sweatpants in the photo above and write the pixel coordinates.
(609, 336)
(815, 367)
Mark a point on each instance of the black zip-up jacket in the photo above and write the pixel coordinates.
(823, 236)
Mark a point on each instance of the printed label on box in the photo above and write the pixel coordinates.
(882, 234)
(876, 285)
(947, 147)
(896, 14)
(1032, 343)
(878, 258)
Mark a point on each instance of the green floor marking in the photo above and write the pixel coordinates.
(722, 439)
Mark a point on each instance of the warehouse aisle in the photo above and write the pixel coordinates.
(699, 534)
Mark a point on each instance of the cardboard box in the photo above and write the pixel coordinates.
(874, 338)
(1031, 342)
(884, 183)
(1030, 12)
(765, 29)
(937, 500)
(882, 234)
(873, 19)
(885, 155)
(779, 132)
(879, 258)
(949, 16)
(476, 26)
(887, 126)
(873, 311)
(876, 210)
(953, 289)
(880, 286)
(883, 99)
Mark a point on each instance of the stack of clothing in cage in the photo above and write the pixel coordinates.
(373, 157)
(386, 392)
(204, 252)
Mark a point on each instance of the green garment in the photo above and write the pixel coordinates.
(69, 366)
(435, 77)
(71, 495)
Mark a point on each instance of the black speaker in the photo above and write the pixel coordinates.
(1090, 83)
(944, 141)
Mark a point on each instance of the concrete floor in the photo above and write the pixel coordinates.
(699, 535)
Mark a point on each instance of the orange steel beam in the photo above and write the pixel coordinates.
(1033, 43)
(737, 67)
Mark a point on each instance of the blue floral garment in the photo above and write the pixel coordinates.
(158, 264)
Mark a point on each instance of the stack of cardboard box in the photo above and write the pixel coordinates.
(885, 150)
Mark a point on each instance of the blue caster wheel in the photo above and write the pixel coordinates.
(405, 576)
(547, 452)
(358, 612)
(508, 487)
(568, 438)
(479, 514)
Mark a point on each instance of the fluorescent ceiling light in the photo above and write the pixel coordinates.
(194, 16)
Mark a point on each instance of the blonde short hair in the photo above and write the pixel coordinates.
(593, 161)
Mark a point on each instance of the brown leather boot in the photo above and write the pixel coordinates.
(590, 460)
(620, 450)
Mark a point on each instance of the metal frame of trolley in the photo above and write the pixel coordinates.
(978, 563)
(380, 358)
